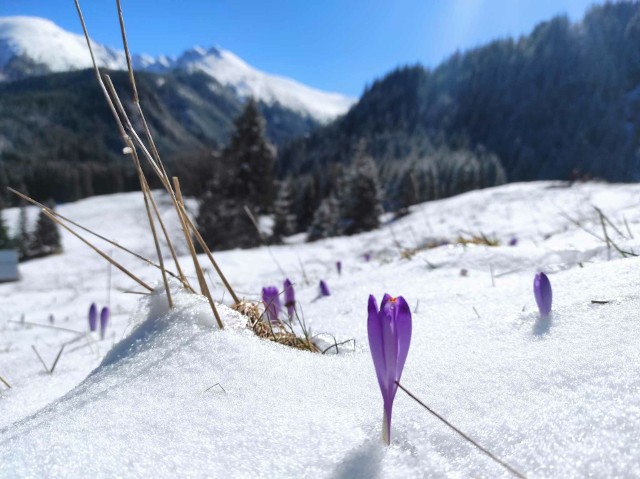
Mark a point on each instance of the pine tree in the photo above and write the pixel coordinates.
(284, 219)
(360, 203)
(245, 178)
(325, 220)
(5, 241)
(251, 157)
(224, 224)
(46, 237)
(23, 238)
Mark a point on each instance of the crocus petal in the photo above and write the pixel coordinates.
(289, 298)
(390, 349)
(93, 317)
(543, 294)
(324, 289)
(271, 300)
(374, 329)
(403, 331)
(104, 321)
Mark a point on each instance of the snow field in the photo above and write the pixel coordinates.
(555, 398)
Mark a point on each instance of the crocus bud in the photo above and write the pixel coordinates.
(324, 289)
(339, 267)
(104, 321)
(93, 317)
(542, 293)
(367, 257)
(271, 300)
(389, 330)
(289, 298)
(513, 241)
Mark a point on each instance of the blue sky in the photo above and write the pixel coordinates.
(335, 45)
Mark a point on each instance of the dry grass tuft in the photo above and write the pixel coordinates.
(278, 332)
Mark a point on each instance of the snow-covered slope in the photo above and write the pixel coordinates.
(231, 71)
(556, 398)
(56, 50)
(45, 43)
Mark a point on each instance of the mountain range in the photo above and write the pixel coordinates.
(34, 46)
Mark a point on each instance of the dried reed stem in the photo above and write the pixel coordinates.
(146, 193)
(4, 381)
(97, 235)
(205, 248)
(97, 250)
(203, 283)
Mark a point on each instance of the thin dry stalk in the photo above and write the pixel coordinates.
(146, 193)
(118, 104)
(97, 235)
(203, 283)
(123, 134)
(48, 326)
(55, 362)
(44, 365)
(97, 250)
(263, 239)
(205, 248)
(154, 157)
(4, 381)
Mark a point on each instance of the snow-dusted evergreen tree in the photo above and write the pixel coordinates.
(46, 237)
(23, 239)
(284, 218)
(224, 224)
(251, 158)
(5, 241)
(360, 202)
(325, 220)
(244, 178)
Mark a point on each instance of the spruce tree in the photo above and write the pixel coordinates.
(5, 241)
(23, 238)
(245, 178)
(284, 219)
(251, 157)
(46, 237)
(325, 220)
(360, 203)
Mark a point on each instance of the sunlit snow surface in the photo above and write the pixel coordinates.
(554, 399)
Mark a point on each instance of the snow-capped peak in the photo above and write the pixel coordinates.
(247, 81)
(56, 50)
(43, 42)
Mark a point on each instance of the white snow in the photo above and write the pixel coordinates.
(231, 71)
(46, 43)
(554, 399)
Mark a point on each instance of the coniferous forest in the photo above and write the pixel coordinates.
(562, 102)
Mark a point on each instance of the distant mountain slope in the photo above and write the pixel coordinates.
(56, 128)
(32, 46)
(561, 102)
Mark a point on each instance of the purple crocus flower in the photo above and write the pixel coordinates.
(542, 293)
(289, 298)
(104, 321)
(389, 339)
(324, 289)
(339, 267)
(513, 241)
(93, 317)
(367, 257)
(271, 300)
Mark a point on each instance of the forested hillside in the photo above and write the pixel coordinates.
(560, 103)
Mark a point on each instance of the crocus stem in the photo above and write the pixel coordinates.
(467, 438)
(386, 433)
